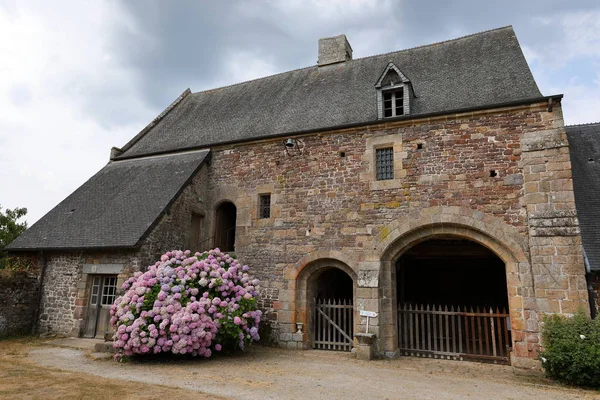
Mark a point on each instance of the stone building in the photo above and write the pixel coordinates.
(415, 183)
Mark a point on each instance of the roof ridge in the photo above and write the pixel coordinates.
(437, 43)
(356, 59)
(168, 154)
(584, 124)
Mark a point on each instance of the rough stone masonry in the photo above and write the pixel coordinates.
(526, 211)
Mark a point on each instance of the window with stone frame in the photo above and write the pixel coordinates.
(393, 103)
(384, 163)
(264, 206)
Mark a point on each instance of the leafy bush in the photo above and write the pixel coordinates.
(10, 229)
(187, 304)
(572, 349)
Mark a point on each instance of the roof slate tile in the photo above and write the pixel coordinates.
(584, 146)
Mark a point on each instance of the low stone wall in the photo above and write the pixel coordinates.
(19, 293)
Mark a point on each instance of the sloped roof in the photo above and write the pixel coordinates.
(117, 207)
(483, 69)
(584, 145)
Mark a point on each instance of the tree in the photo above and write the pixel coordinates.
(10, 227)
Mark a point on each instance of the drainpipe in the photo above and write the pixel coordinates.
(44, 263)
(590, 287)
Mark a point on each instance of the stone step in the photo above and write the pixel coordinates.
(104, 347)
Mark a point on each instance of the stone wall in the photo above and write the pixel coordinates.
(484, 165)
(557, 261)
(66, 287)
(173, 229)
(19, 294)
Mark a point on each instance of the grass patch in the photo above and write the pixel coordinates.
(20, 378)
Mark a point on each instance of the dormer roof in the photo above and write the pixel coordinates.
(391, 74)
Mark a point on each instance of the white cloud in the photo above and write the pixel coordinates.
(563, 65)
(581, 34)
(55, 60)
(582, 101)
(574, 35)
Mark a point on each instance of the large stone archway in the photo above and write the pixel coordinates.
(502, 239)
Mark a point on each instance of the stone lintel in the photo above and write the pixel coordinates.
(112, 269)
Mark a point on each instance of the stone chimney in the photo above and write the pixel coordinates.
(334, 50)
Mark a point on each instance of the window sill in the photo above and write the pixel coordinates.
(264, 222)
(389, 183)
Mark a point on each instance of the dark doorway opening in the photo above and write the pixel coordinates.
(332, 319)
(453, 302)
(452, 272)
(225, 227)
(334, 284)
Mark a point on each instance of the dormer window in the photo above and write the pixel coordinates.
(394, 93)
(393, 103)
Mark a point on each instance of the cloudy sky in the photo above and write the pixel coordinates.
(78, 77)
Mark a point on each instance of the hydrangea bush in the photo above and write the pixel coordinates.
(187, 304)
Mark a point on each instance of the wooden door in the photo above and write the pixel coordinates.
(102, 297)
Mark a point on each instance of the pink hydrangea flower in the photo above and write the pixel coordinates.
(189, 298)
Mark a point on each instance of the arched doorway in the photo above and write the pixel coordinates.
(452, 301)
(226, 216)
(331, 294)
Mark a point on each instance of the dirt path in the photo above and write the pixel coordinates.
(266, 373)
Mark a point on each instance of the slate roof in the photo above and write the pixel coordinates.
(480, 70)
(584, 145)
(116, 208)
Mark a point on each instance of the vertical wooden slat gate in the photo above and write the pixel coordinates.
(454, 333)
(333, 325)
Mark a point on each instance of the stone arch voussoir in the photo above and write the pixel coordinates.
(487, 230)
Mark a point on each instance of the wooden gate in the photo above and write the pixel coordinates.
(454, 333)
(333, 324)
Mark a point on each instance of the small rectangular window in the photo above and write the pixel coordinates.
(387, 104)
(399, 98)
(384, 161)
(264, 210)
(109, 290)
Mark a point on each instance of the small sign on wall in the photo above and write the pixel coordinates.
(371, 314)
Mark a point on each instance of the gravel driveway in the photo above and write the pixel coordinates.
(268, 373)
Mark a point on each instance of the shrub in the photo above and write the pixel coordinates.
(187, 304)
(572, 349)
